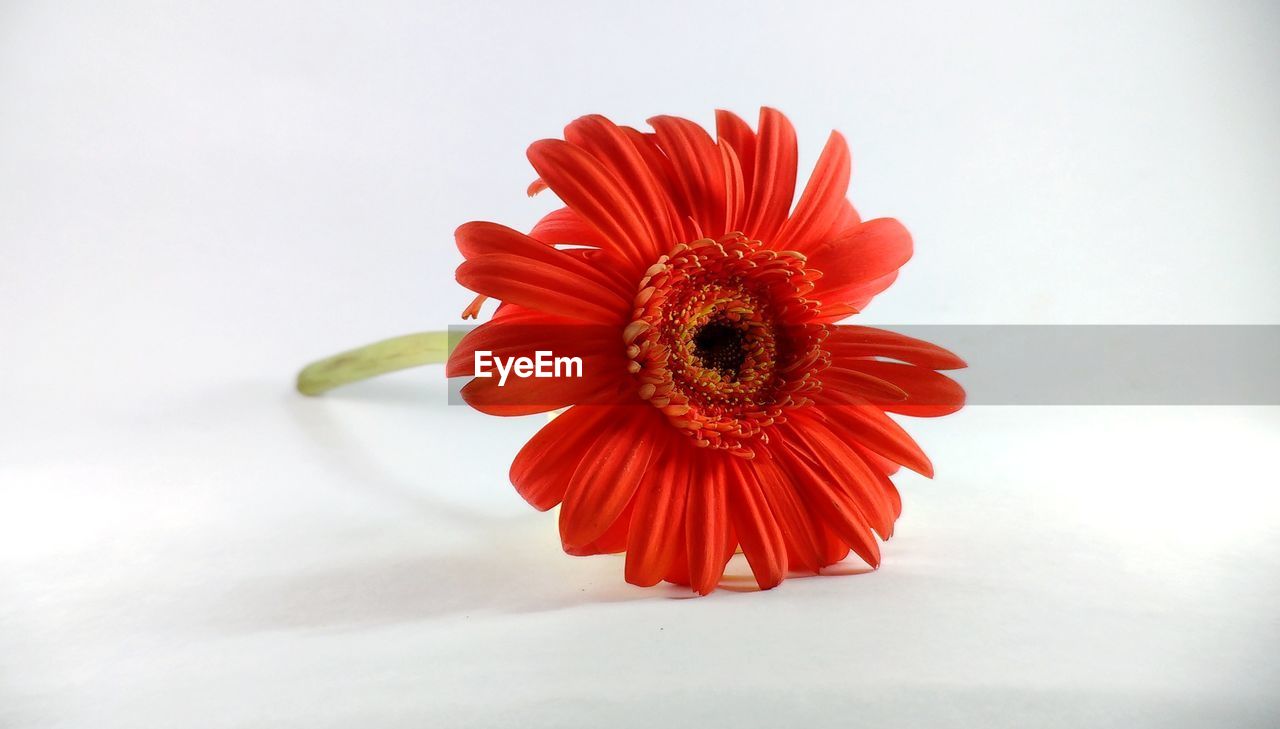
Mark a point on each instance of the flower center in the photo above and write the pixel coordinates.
(719, 345)
(720, 340)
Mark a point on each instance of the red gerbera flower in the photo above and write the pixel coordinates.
(721, 405)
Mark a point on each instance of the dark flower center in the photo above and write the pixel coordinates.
(722, 340)
(718, 345)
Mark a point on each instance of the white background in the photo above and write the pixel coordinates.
(197, 199)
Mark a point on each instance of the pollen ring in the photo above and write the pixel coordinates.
(720, 340)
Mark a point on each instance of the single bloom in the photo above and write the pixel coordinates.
(721, 406)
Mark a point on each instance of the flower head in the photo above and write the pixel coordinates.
(721, 405)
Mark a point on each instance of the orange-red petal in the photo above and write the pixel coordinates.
(614, 539)
(658, 523)
(755, 524)
(862, 422)
(563, 226)
(873, 250)
(613, 148)
(845, 469)
(731, 129)
(706, 526)
(928, 393)
(590, 189)
(699, 171)
(823, 201)
(858, 341)
(830, 503)
(604, 483)
(543, 467)
(546, 287)
(773, 182)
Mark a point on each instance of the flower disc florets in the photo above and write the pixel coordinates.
(721, 339)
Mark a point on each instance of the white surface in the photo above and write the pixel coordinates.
(197, 201)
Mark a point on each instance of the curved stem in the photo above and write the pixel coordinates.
(371, 360)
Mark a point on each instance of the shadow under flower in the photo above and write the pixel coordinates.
(738, 577)
(496, 564)
(506, 568)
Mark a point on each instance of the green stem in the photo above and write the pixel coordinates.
(371, 360)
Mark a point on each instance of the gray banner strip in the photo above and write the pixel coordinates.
(1100, 365)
